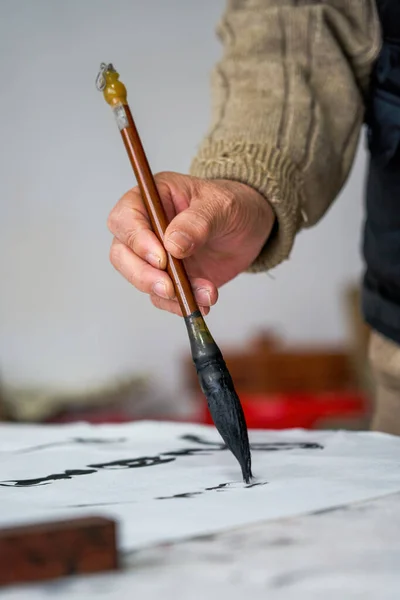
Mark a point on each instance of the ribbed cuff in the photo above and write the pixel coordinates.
(272, 175)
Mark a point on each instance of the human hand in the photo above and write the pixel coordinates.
(218, 228)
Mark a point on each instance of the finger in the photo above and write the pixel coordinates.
(149, 280)
(194, 227)
(172, 306)
(205, 292)
(139, 273)
(129, 223)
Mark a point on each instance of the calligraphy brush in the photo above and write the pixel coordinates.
(215, 380)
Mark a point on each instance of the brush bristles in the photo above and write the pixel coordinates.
(226, 412)
(217, 386)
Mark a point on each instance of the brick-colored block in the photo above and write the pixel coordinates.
(57, 549)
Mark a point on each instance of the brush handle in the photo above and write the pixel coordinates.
(155, 210)
(214, 377)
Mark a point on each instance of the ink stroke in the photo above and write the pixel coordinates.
(165, 481)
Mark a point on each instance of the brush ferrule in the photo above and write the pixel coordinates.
(202, 343)
(207, 357)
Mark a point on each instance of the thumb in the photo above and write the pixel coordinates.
(193, 227)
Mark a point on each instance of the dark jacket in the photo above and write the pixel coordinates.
(381, 295)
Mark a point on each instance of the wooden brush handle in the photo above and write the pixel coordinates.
(214, 378)
(155, 210)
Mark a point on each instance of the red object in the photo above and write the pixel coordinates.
(262, 411)
(285, 411)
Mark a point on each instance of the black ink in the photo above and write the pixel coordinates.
(324, 511)
(218, 488)
(133, 463)
(69, 474)
(185, 495)
(150, 461)
(72, 441)
(257, 446)
(222, 487)
(251, 485)
(129, 463)
(89, 505)
(98, 440)
(275, 446)
(188, 452)
(198, 440)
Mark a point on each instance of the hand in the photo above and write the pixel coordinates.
(218, 227)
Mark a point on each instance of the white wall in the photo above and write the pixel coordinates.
(66, 318)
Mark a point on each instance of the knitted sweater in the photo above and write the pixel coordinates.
(288, 105)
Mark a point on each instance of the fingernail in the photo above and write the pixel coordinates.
(203, 296)
(180, 240)
(154, 260)
(160, 289)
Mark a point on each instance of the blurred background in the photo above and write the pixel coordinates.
(76, 341)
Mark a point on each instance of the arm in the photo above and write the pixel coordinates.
(288, 105)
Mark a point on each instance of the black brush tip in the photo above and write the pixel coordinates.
(227, 412)
(217, 386)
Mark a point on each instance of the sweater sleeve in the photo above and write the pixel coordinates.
(288, 105)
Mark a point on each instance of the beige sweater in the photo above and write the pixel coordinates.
(288, 105)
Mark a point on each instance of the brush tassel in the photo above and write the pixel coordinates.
(217, 386)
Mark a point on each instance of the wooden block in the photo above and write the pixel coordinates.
(58, 549)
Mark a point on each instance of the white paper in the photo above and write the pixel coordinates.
(341, 554)
(133, 472)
